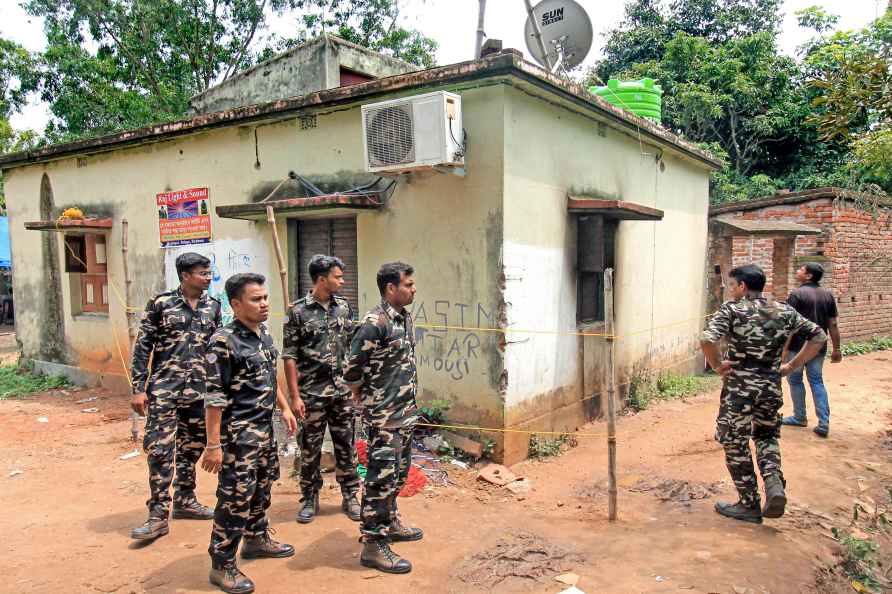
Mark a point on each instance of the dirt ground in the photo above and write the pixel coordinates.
(68, 514)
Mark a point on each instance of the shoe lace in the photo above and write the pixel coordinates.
(267, 538)
(387, 551)
(232, 572)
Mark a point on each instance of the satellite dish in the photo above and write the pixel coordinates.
(566, 34)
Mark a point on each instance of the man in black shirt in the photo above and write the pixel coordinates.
(818, 305)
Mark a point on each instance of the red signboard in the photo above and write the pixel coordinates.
(184, 217)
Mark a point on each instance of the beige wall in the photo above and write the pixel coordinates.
(554, 380)
(448, 227)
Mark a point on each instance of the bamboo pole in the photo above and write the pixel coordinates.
(611, 398)
(128, 314)
(283, 269)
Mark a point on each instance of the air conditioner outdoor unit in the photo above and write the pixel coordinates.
(417, 132)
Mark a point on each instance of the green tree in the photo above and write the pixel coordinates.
(113, 64)
(116, 64)
(738, 94)
(649, 26)
(16, 73)
(779, 123)
(851, 76)
(370, 23)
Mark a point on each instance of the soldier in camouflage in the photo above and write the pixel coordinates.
(174, 333)
(317, 335)
(382, 376)
(241, 397)
(756, 330)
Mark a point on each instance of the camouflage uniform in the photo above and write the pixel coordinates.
(382, 359)
(175, 336)
(317, 338)
(241, 370)
(756, 331)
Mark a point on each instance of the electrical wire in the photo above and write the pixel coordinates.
(463, 150)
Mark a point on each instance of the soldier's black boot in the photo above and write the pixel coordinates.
(265, 547)
(398, 532)
(152, 529)
(739, 511)
(775, 497)
(192, 510)
(311, 507)
(378, 555)
(230, 579)
(351, 507)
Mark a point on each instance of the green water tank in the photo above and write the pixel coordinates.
(641, 97)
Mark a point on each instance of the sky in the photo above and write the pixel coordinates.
(453, 24)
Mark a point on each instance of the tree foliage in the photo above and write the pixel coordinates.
(370, 23)
(16, 70)
(117, 64)
(778, 122)
(649, 25)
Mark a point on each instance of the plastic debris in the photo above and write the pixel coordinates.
(90, 410)
(43, 419)
(415, 482)
(86, 400)
(129, 455)
(432, 443)
(460, 464)
(16, 473)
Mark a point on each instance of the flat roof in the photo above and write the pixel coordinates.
(739, 226)
(508, 63)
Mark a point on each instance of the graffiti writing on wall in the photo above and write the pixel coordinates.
(444, 345)
(228, 257)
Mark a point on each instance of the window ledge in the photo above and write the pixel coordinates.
(90, 317)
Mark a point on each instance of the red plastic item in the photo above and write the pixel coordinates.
(414, 483)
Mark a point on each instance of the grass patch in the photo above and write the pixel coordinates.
(542, 447)
(862, 348)
(434, 411)
(859, 561)
(645, 389)
(18, 382)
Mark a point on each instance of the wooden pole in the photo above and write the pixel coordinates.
(128, 315)
(283, 269)
(478, 46)
(611, 397)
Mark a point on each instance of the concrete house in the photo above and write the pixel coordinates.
(509, 253)
(824, 225)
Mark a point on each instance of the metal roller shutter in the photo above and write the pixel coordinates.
(334, 237)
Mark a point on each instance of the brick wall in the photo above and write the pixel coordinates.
(855, 249)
